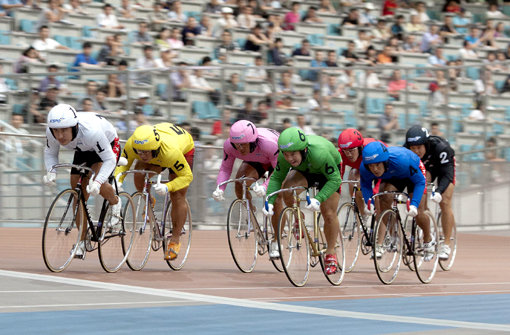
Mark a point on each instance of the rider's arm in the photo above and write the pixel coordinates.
(128, 154)
(271, 149)
(366, 178)
(226, 165)
(175, 160)
(50, 151)
(278, 176)
(104, 150)
(417, 176)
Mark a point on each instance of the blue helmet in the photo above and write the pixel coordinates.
(375, 152)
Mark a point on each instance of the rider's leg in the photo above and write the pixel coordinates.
(422, 219)
(245, 170)
(80, 216)
(139, 178)
(331, 227)
(447, 218)
(178, 213)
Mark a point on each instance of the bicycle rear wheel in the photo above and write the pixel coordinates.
(337, 277)
(390, 247)
(116, 240)
(185, 236)
(143, 234)
(446, 264)
(242, 238)
(408, 257)
(61, 234)
(426, 264)
(350, 228)
(270, 236)
(294, 247)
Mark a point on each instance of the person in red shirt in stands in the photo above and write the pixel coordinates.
(389, 7)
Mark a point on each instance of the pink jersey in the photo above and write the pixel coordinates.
(266, 152)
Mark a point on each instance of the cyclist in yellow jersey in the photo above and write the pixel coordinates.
(156, 148)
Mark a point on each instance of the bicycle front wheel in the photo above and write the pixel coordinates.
(446, 264)
(387, 251)
(350, 228)
(242, 239)
(117, 236)
(61, 233)
(336, 277)
(408, 257)
(143, 234)
(270, 236)
(184, 236)
(294, 247)
(425, 260)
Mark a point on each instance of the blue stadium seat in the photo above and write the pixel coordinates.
(5, 37)
(473, 73)
(333, 29)
(28, 26)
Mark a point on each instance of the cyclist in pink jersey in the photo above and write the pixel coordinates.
(258, 149)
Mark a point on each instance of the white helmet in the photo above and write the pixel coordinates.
(62, 116)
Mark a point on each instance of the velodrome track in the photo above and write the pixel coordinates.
(210, 296)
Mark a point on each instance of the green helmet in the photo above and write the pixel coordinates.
(292, 139)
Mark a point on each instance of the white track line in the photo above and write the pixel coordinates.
(257, 304)
(92, 304)
(52, 291)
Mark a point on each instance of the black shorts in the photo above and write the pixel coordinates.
(91, 157)
(317, 179)
(401, 184)
(261, 168)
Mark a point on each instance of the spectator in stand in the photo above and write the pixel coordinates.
(352, 19)
(285, 85)
(213, 7)
(367, 18)
(397, 29)
(292, 17)
(316, 103)
(248, 113)
(276, 21)
(381, 31)
(474, 37)
(331, 60)
(175, 40)
(28, 56)
(362, 42)
(114, 88)
(231, 86)
(448, 30)
(227, 21)
(256, 39)
(7, 7)
(333, 89)
(410, 44)
(421, 11)
(414, 25)
(397, 84)
(286, 123)
(385, 56)
(304, 50)
(311, 16)
(30, 110)
(257, 72)
(461, 22)
(44, 42)
(180, 82)
(437, 58)
(493, 11)
(325, 6)
(303, 125)
(101, 101)
(491, 63)
(163, 39)
(277, 55)
(348, 54)
(197, 81)
(318, 61)
(389, 7)
(489, 34)
(165, 58)
(246, 20)
(478, 113)
(501, 60)
(258, 12)
(500, 30)
(372, 56)
(142, 36)
(369, 78)
(49, 100)
(110, 51)
(226, 44)
(50, 80)
(467, 51)
(262, 111)
(146, 62)
(53, 13)
(388, 122)
(126, 11)
(395, 46)
(431, 39)
(206, 26)
(107, 18)
(189, 31)
(286, 103)
(91, 88)
(177, 14)
(434, 130)
(87, 105)
(85, 59)
(451, 6)
(506, 86)
(158, 18)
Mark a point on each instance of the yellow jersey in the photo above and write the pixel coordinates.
(175, 142)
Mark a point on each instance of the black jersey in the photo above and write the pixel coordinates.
(439, 160)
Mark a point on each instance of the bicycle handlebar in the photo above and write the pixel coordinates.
(266, 204)
(396, 195)
(236, 180)
(78, 167)
(350, 182)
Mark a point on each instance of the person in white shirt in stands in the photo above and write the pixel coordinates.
(257, 72)
(165, 59)
(73, 7)
(421, 12)
(107, 19)
(44, 42)
(145, 62)
(246, 19)
(175, 40)
(467, 52)
(368, 78)
(176, 14)
(302, 124)
(493, 12)
(51, 14)
(197, 81)
(315, 104)
(227, 21)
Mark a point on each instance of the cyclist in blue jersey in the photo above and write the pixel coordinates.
(398, 168)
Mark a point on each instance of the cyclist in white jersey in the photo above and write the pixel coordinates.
(95, 143)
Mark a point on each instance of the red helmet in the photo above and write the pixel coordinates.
(350, 138)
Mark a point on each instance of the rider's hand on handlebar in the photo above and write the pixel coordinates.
(436, 197)
(218, 195)
(269, 211)
(49, 179)
(413, 211)
(161, 189)
(259, 190)
(93, 187)
(314, 205)
(370, 208)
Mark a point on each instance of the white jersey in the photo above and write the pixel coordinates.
(95, 133)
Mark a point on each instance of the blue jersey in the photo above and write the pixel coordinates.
(402, 164)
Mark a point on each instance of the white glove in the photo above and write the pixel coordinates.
(370, 208)
(269, 211)
(413, 211)
(218, 195)
(260, 190)
(161, 189)
(49, 179)
(436, 197)
(315, 205)
(93, 187)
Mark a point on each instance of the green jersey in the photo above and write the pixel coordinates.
(322, 158)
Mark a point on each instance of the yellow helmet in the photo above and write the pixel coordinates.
(146, 138)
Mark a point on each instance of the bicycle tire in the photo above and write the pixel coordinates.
(407, 257)
(270, 236)
(242, 239)
(350, 228)
(141, 249)
(388, 265)
(185, 237)
(112, 249)
(294, 247)
(425, 269)
(447, 264)
(61, 234)
(337, 277)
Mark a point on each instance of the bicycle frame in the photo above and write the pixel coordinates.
(368, 234)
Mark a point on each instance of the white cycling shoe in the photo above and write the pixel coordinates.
(115, 219)
(273, 250)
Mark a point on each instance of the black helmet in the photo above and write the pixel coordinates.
(416, 135)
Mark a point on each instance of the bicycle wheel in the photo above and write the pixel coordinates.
(350, 228)
(337, 277)
(426, 263)
(185, 236)
(446, 264)
(390, 247)
(408, 258)
(294, 247)
(242, 239)
(270, 236)
(143, 234)
(60, 233)
(116, 240)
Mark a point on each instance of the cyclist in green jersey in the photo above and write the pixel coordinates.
(306, 161)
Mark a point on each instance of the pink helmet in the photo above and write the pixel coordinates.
(243, 131)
